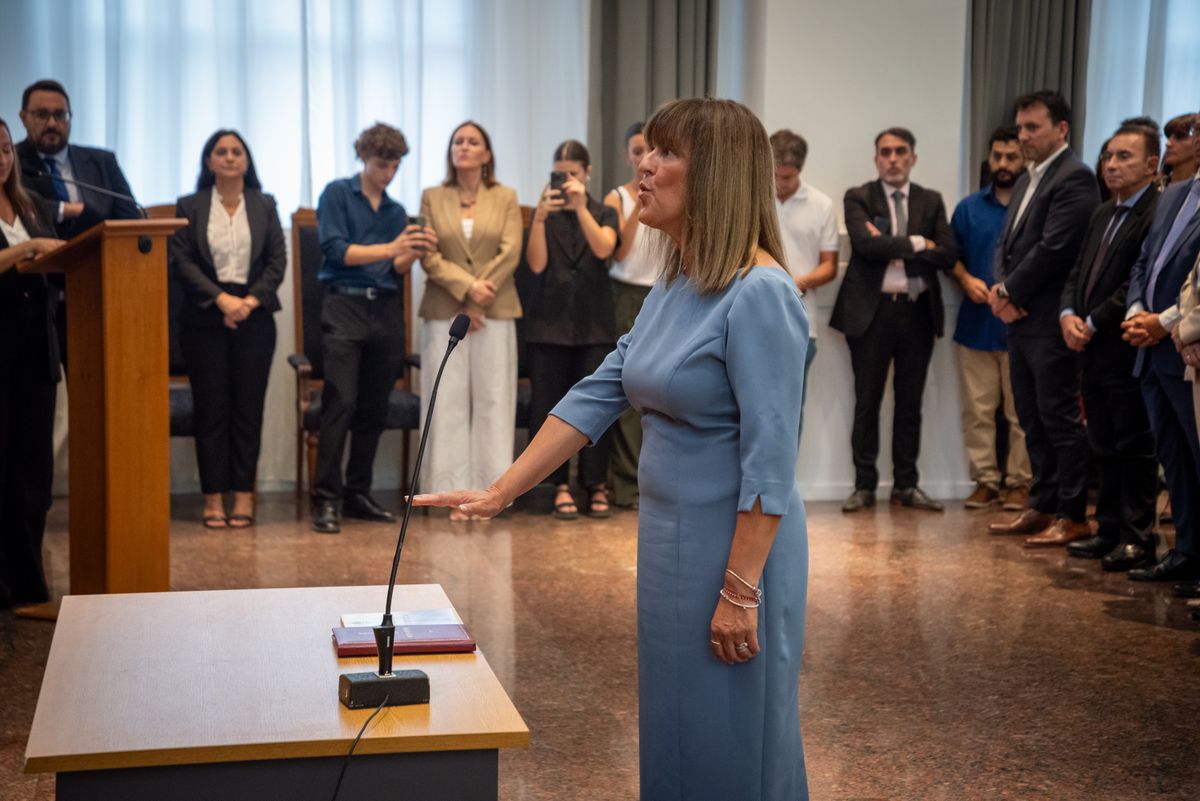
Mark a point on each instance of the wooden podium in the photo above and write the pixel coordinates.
(116, 274)
(193, 696)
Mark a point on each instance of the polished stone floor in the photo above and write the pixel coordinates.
(942, 664)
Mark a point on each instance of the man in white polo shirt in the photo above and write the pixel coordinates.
(810, 231)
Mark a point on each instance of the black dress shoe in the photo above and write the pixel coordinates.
(1092, 548)
(1189, 589)
(325, 517)
(859, 499)
(364, 508)
(915, 498)
(1175, 566)
(1127, 556)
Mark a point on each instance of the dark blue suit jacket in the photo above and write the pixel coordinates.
(1035, 256)
(91, 165)
(1180, 260)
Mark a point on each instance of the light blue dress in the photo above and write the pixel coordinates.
(718, 384)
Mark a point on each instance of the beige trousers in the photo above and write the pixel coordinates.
(984, 378)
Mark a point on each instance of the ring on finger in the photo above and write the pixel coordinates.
(742, 647)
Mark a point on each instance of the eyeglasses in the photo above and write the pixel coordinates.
(58, 115)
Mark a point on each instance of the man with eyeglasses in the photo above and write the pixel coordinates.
(49, 164)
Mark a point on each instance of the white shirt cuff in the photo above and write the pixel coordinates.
(1136, 308)
(62, 208)
(1169, 318)
(1091, 326)
(1068, 312)
(918, 243)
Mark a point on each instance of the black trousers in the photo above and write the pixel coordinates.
(27, 399)
(901, 333)
(228, 371)
(553, 370)
(1046, 388)
(1122, 443)
(363, 343)
(1173, 420)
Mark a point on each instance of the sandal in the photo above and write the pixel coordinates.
(243, 521)
(565, 510)
(598, 504)
(215, 520)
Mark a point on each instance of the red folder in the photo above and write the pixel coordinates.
(437, 639)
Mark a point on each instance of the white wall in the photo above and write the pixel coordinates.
(838, 73)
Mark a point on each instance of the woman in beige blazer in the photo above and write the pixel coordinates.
(478, 223)
(1187, 333)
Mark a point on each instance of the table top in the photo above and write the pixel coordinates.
(177, 678)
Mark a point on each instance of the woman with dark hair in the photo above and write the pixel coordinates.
(722, 562)
(478, 227)
(229, 259)
(28, 375)
(572, 324)
(1179, 161)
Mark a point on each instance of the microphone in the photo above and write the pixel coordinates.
(385, 687)
(84, 185)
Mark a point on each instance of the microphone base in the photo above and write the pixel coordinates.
(367, 690)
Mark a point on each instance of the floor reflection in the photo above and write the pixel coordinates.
(941, 663)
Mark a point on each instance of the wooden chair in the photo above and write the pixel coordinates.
(179, 388)
(404, 406)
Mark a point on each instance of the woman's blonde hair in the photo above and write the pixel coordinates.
(729, 195)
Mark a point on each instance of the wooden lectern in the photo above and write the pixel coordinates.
(116, 275)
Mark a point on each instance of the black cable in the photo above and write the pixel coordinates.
(350, 753)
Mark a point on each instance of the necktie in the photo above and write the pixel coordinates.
(902, 230)
(60, 188)
(1181, 220)
(1109, 234)
(901, 217)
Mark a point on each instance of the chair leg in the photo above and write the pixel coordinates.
(405, 448)
(299, 465)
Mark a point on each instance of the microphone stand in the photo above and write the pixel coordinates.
(385, 687)
(90, 187)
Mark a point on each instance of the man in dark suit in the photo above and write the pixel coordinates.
(1166, 259)
(890, 309)
(47, 157)
(1093, 308)
(1043, 229)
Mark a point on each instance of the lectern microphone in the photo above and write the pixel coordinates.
(363, 690)
(84, 185)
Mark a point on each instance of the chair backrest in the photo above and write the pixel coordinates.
(176, 366)
(309, 293)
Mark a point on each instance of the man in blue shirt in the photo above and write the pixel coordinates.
(981, 339)
(367, 242)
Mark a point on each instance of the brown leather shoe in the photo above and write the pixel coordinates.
(981, 497)
(1031, 521)
(1059, 533)
(1016, 499)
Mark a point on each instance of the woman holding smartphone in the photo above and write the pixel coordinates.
(572, 326)
(478, 226)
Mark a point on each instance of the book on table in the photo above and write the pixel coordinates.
(442, 638)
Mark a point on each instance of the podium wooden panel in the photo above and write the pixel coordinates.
(116, 279)
(192, 695)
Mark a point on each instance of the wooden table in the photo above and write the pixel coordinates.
(233, 694)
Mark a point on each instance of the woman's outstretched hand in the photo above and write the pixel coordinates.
(480, 503)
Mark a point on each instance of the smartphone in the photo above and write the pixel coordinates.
(418, 221)
(557, 181)
(884, 224)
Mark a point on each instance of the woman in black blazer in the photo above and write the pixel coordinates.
(229, 260)
(28, 375)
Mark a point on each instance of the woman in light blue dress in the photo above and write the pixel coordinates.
(714, 364)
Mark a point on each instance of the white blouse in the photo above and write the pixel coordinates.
(468, 224)
(15, 233)
(229, 241)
